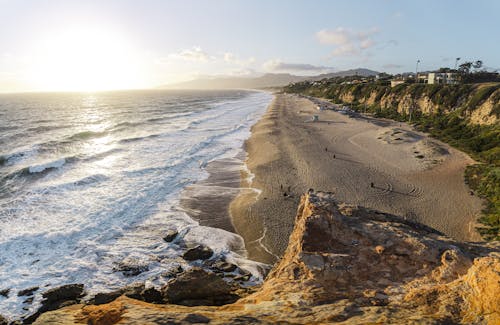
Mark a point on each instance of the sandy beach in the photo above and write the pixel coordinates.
(375, 163)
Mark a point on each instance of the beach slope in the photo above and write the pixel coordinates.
(375, 163)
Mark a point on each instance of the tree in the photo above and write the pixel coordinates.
(444, 70)
(478, 64)
(465, 67)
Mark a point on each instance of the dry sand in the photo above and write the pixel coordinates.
(413, 175)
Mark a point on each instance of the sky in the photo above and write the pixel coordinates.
(123, 44)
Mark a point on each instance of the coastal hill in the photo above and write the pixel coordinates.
(344, 264)
(265, 81)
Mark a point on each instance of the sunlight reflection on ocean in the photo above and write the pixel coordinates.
(88, 180)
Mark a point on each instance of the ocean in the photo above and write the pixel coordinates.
(92, 180)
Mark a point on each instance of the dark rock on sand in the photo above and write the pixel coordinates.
(5, 293)
(199, 252)
(170, 235)
(198, 287)
(27, 292)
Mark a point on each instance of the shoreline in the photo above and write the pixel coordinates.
(413, 175)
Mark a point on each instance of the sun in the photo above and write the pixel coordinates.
(85, 58)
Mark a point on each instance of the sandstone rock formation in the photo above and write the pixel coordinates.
(348, 265)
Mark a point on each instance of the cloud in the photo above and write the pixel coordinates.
(231, 58)
(247, 72)
(279, 66)
(193, 54)
(366, 43)
(347, 49)
(339, 36)
(389, 43)
(347, 41)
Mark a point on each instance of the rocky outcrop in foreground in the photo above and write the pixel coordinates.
(343, 264)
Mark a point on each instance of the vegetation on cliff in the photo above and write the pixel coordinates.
(465, 116)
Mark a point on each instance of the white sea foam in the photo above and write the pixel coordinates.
(117, 199)
(42, 167)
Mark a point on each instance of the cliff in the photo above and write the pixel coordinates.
(344, 264)
(479, 104)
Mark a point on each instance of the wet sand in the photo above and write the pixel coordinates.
(413, 175)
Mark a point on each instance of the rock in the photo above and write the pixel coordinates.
(134, 291)
(105, 297)
(5, 293)
(196, 319)
(199, 252)
(170, 235)
(27, 292)
(224, 266)
(197, 286)
(56, 298)
(98, 315)
(131, 267)
(242, 278)
(28, 300)
(152, 295)
(332, 272)
(3, 320)
(63, 293)
(173, 272)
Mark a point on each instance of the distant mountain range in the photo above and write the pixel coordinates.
(268, 80)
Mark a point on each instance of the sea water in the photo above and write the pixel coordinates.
(92, 180)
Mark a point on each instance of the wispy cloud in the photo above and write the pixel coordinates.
(279, 66)
(193, 54)
(388, 43)
(347, 41)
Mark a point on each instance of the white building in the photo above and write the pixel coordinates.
(441, 78)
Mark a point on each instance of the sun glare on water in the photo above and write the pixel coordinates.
(85, 59)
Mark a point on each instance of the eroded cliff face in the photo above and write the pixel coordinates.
(480, 103)
(344, 264)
